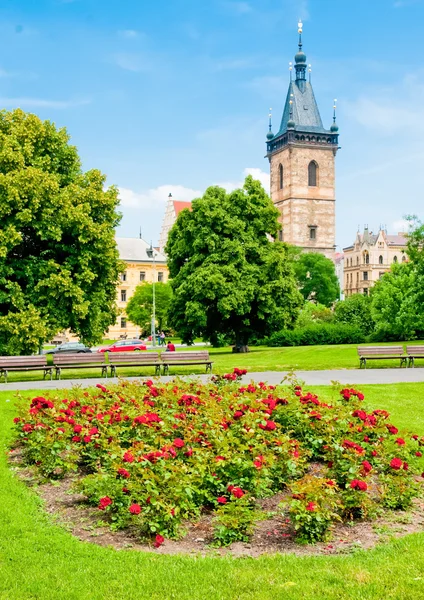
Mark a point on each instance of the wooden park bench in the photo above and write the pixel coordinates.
(79, 361)
(24, 363)
(381, 353)
(134, 359)
(186, 358)
(414, 352)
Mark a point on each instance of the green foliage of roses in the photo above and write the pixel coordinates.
(58, 258)
(155, 455)
(228, 276)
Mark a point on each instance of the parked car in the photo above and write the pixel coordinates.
(71, 347)
(125, 346)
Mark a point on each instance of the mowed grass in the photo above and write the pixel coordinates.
(42, 561)
(260, 358)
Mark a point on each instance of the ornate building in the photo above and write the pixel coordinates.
(302, 156)
(369, 257)
(173, 209)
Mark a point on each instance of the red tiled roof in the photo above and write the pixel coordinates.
(179, 206)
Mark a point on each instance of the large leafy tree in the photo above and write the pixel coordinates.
(355, 310)
(59, 263)
(140, 306)
(228, 277)
(316, 277)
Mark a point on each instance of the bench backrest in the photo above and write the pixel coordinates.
(62, 360)
(117, 358)
(380, 350)
(201, 355)
(23, 361)
(415, 350)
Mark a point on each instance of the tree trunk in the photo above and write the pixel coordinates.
(241, 344)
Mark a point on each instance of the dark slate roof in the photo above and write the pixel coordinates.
(305, 110)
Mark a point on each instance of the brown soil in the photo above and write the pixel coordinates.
(271, 535)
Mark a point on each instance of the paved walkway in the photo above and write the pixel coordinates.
(343, 376)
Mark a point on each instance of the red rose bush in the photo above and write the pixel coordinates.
(153, 455)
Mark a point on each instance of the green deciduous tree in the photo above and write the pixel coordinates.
(59, 263)
(140, 306)
(228, 278)
(317, 278)
(355, 310)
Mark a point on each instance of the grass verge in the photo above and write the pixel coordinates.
(39, 560)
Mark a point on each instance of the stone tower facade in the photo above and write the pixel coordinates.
(302, 167)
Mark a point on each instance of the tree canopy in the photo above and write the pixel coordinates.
(355, 310)
(59, 264)
(228, 277)
(140, 306)
(317, 277)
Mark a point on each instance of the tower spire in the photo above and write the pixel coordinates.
(334, 128)
(300, 29)
(270, 135)
(300, 61)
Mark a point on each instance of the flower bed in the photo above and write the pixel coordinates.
(154, 456)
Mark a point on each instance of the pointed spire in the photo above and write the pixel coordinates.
(270, 135)
(300, 29)
(300, 61)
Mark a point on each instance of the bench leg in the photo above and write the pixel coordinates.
(112, 371)
(404, 361)
(104, 371)
(5, 376)
(58, 373)
(362, 362)
(165, 369)
(412, 362)
(157, 370)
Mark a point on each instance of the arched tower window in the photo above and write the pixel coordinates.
(280, 176)
(395, 259)
(366, 258)
(312, 174)
(403, 258)
(380, 260)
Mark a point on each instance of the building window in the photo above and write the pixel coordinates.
(123, 323)
(312, 233)
(366, 258)
(123, 276)
(160, 276)
(280, 176)
(365, 275)
(357, 278)
(380, 275)
(403, 258)
(280, 235)
(312, 174)
(357, 260)
(351, 278)
(365, 290)
(142, 275)
(123, 295)
(395, 259)
(380, 260)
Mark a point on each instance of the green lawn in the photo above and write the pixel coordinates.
(41, 561)
(259, 358)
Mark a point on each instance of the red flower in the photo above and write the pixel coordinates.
(87, 439)
(124, 473)
(237, 492)
(135, 509)
(238, 414)
(311, 506)
(400, 442)
(189, 452)
(77, 428)
(419, 454)
(357, 484)
(128, 457)
(93, 431)
(330, 482)
(392, 429)
(366, 466)
(159, 539)
(396, 464)
(218, 458)
(76, 438)
(101, 387)
(104, 502)
(405, 466)
(221, 500)
(270, 426)
(178, 443)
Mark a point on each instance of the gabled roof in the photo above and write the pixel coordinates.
(179, 205)
(135, 249)
(305, 113)
(397, 240)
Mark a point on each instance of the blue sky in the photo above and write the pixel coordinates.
(173, 95)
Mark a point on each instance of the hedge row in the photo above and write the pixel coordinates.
(316, 335)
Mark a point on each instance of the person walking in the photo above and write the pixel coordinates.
(162, 339)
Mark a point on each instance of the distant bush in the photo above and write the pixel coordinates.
(317, 335)
(312, 313)
(355, 310)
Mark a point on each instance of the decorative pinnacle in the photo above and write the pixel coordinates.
(270, 119)
(309, 71)
(290, 69)
(291, 106)
(334, 110)
(299, 30)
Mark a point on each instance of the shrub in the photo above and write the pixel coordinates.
(312, 313)
(355, 310)
(316, 335)
(153, 456)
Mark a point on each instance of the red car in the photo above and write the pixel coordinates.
(125, 346)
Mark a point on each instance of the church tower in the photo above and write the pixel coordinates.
(302, 156)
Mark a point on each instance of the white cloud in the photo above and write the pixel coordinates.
(256, 173)
(131, 62)
(400, 226)
(26, 102)
(156, 198)
(128, 33)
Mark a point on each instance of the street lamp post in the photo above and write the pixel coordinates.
(151, 254)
